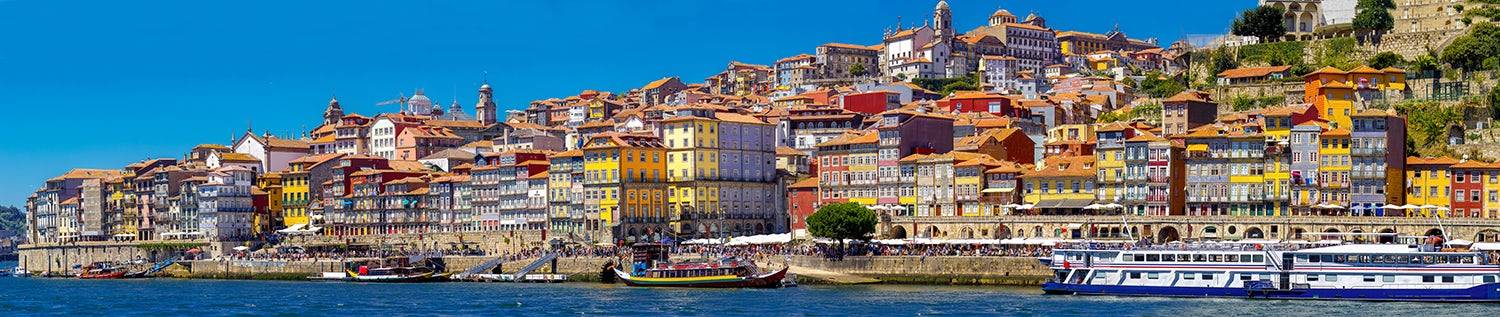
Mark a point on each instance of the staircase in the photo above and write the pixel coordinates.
(156, 268)
(481, 268)
(535, 265)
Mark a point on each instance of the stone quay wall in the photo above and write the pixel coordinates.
(954, 270)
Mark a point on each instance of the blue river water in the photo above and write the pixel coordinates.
(179, 297)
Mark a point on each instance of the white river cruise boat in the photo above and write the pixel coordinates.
(1371, 272)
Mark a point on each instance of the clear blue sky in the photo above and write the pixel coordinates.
(100, 84)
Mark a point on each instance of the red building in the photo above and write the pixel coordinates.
(1468, 188)
(997, 104)
(802, 201)
(871, 103)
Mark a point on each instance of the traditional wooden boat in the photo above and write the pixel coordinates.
(652, 267)
(393, 270)
(102, 270)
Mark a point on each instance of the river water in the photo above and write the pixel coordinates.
(177, 297)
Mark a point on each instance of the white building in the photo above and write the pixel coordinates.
(224, 204)
(274, 153)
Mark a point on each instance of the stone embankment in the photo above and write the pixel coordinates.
(59, 261)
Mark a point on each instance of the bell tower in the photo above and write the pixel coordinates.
(334, 112)
(485, 108)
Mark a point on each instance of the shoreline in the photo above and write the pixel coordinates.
(813, 270)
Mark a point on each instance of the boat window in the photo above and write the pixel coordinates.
(1153, 275)
(1388, 278)
(1326, 257)
(1153, 257)
(1302, 258)
(1427, 259)
(1246, 277)
(1245, 258)
(1369, 278)
(1429, 279)
(1414, 259)
(1465, 259)
(1200, 258)
(1401, 259)
(1168, 258)
(1331, 278)
(1441, 259)
(1364, 259)
(1208, 276)
(1140, 257)
(1312, 278)
(1216, 257)
(1184, 258)
(1231, 258)
(1447, 279)
(1258, 258)
(1135, 275)
(1340, 258)
(1489, 278)
(1314, 259)
(1189, 276)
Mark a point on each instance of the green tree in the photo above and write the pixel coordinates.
(1158, 85)
(842, 221)
(1373, 18)
(1261, 22)
(12, 219)
(1469, 51)
(1427, 125)
(857, 70)
(1385, 59)
(1494, 99)
(1222, 60)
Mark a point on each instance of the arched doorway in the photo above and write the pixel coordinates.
(1386, 236)
(1486, 235)
(932, 232)
(1036, 232)
(897, 232)
(1002, 232)
(1434, 232)
(1254, 233)
(966, 233)
(1297, 233)
(1167, 234)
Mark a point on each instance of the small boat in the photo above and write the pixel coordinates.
(653, 268)
(101, 271)
(20, 272)
(393, 270)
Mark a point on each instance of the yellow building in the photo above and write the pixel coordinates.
(272, 217)
(1428, 183)
(692, 166)
(1330, 91)
(295, 190)
(1334, 165)
(1059, 185)
(1109, 155)
(624, 177)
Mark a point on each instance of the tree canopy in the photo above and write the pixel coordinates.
(1385, 59)
(13, 219)
(1160, 86)
(1470, 51)
(1373, 17)
(842, 221)
(1261, 22)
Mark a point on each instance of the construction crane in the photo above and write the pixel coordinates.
(400, 100)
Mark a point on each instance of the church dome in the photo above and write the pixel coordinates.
(1031, 17)
(419, 102)
(942, 5)
(1002, 13)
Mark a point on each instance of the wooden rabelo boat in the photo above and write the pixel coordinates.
(101, 271)
(394, 270)
(652, 267)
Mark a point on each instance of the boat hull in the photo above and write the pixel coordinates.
(418, 278)
(103, 276)
(1479, 293)
(772, 280)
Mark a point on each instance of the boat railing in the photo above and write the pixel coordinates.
(1186, 247)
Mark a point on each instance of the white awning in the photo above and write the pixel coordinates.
(293, 228)
(1074, 226)
(998, 190)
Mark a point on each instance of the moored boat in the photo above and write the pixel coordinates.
(652, 267)
(1369, 272)
(102, 270)
(393, 270)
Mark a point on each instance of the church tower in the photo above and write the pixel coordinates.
(942, 22)
(485, 108)
(334, 112)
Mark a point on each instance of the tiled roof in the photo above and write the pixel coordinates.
(1249, 72)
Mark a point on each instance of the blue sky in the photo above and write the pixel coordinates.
(100, 84)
